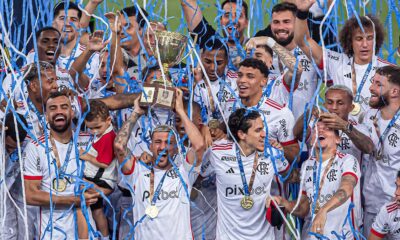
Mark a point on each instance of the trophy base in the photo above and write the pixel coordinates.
(157, 96)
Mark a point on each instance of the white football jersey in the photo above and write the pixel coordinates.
(305, 90)
(342, 165)
(338, 67)
(387, 222)
(38, 165)
(173, 203)
(221, 91)
(279, 119)
(378, 186)
(233, 221)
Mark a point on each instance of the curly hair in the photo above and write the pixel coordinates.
(347, 32)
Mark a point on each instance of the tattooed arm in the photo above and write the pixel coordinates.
(344, 192)
(120, 143)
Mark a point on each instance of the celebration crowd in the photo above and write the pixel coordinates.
(137, 132)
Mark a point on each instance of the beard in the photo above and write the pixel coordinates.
(284, 42)
(60, 128)
(383, 101)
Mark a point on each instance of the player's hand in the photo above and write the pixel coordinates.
(179, 102)
(304, 5)
(114, 20)
(333, 121)
(136, 106)
(254, 42)
(146, 158)
(319, 222)
(278, 200)
(96, 42)
(91, 197)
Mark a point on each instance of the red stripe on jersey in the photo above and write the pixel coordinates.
(304, 193)
(384, 61)
(352, 174)
(26, 177)
(287, 168)
(221, 148)
(274, 104)
(392, 205)
(231, 100)
(290, 142)
(288, 87)
(378, 234)
(391, 209)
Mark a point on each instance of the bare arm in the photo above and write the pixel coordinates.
(302, 34)
(192, 12)
(194, 135)
(302, 209)
(347, 185)
(89, 8)
(121, 140)
(37, 197)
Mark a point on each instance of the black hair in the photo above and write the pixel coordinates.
(12, 129)
(240, 120)
(132, 11)
(61, 92)
(257, 64)
(60, 6)
(285, 6)
(392, 72)
(244, 5)
(32, 72)
(48, 28)
(214, 43)
(267, 49)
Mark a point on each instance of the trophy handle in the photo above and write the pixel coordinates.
(194, 44)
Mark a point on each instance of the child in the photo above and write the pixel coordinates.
(100, 167)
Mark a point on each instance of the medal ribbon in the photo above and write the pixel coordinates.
(247, 188)
(317, 207)
(154, 195)
(57, 157)
(357, 91)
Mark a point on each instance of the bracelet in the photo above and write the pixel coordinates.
(303, 15)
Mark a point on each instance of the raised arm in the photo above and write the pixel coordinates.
(195, 137)
(302, 34)
(89, 10)
(288, 59)
(192, 13)
(121, 140)
(95, 44)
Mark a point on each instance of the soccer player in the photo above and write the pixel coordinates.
(50, 177)
(234, 22)
(354, 67)
(337, 185)
(244, 172)
(252, 78)
(386, 224)
(162, 204)
(383, 122)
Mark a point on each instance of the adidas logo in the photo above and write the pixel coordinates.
(230, 170)
(147, 175)
(348, 75)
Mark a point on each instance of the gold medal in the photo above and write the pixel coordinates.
(356, 110)
(213, 124)
(60, 185)
(247, 202)
(152, 211)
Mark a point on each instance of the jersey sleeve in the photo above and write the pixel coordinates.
(332, 60)
(380, 227)
(207, 168)
(32, 169)
(285, 128)
(105, 149)
(204, 31)
(351, 167)
(278, 159)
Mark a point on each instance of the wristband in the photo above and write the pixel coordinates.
(270, 42)
(303, 15)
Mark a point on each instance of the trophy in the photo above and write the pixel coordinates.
(169, 50)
